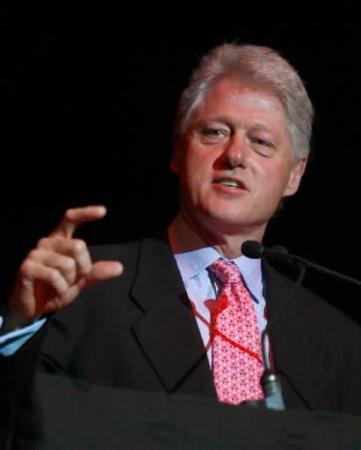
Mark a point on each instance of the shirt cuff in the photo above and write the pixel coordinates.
(13, 341)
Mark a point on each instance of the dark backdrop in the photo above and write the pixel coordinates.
(88, 98)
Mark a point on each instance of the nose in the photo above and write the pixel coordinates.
(234, 153)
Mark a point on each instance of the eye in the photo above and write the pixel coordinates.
(263, 146)
(214, 134)
(263, 142)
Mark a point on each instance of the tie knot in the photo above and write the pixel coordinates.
(226, 271)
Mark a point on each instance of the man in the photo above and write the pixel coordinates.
(241, 146)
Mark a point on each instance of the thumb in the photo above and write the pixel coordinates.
(104, 270)
(101, 271)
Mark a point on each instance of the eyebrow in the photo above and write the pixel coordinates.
(230, 121)
(260, 126)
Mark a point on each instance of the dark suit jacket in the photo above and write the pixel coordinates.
(138, 332)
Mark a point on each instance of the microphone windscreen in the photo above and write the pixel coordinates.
(252, 249)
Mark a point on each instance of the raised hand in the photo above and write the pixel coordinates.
(57, 270)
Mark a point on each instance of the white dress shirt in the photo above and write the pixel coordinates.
(201, 286)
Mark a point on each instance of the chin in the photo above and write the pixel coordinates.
(224, 224)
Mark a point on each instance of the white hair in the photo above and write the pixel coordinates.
(257, 65)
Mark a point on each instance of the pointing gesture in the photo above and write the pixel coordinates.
(57, 270)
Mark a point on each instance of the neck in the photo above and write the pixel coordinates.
(185, 237)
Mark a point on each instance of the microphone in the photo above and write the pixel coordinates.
(270, 382)
(254, 249)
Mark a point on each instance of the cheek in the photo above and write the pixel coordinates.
(197, 164)
(276, 170)
(195, 176)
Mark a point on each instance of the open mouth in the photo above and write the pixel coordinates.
(231, 183)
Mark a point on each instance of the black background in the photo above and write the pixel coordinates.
(87, 104)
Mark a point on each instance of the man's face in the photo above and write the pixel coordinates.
(235, 162)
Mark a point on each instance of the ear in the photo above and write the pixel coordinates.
(295, 177)
(175, 163)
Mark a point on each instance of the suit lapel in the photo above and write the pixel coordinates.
(167, 332)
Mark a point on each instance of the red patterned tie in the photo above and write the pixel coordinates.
(236, 350)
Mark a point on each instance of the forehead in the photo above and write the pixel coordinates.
(234, 98)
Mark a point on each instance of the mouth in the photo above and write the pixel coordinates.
(231, 183)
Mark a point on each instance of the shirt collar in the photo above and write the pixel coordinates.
(192, 263)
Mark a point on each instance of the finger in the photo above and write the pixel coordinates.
(74, 248)
(76, 216)
(66, 265)
(105, 270)
(32, 271)
(101, 271)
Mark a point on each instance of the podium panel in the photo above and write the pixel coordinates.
(69, 414)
